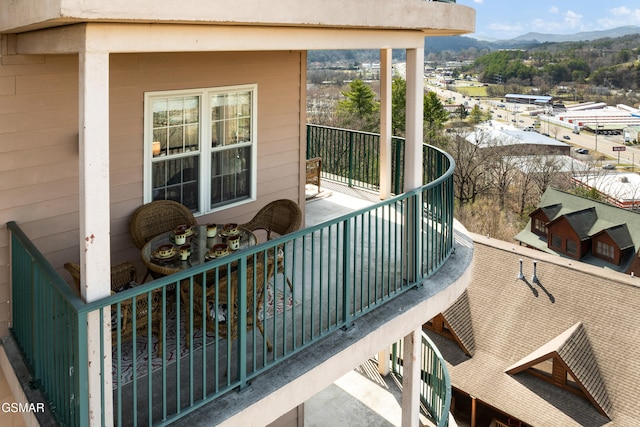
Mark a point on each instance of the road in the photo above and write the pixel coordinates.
(510, 112)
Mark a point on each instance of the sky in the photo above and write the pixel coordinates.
(506, 19)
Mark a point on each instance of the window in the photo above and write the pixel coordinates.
(604, 250)
(540, 226)
(556, 241)
(201, 147)
(572, 247)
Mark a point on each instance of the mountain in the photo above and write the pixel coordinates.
(583, 36)
(526, 41)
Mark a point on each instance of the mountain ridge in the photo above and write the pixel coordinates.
(529, 40)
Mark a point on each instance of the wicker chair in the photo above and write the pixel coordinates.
(278, 217)
(229, 327)
(156, 218)
(122, 275)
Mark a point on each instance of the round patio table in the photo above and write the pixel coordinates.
(200, 246)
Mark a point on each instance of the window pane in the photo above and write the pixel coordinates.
(159, 113)
(192, 137)
(176, 112)
(176, 140)
(230, 175)
(244, 130)
(244, 104)
(177, 180)
(216, 133)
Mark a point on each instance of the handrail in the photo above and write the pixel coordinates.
(352, 157)
(335, 283)
(435, 383)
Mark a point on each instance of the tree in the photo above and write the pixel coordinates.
(434, 116)
(398, 106)
(360, 109)
(476, 115)
(473, 153)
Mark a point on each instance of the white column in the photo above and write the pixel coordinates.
(95, 253)
(384, 362)
(413, 171)
(411, 379)
(385, 123)
(414, 125)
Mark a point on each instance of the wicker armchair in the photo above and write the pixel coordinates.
(228, 283)
(121, 276)
(156, 218)
(278, 217)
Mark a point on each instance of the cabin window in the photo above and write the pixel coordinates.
(540, 226)
(604, 250)
(201, 147)
(556, 241)
(572, 247)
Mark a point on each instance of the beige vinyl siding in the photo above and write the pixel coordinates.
(39, 141)
(38, 157)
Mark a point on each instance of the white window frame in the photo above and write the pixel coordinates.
(205, 149)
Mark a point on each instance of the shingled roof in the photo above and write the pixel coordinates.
(458, 317)
(588, 218)
(516, 319)
(574, 350)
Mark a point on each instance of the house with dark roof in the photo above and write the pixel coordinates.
(540, 340)
(586, 230)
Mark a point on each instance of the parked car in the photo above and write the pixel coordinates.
(567, 137)
(608, 166)
(582, 151)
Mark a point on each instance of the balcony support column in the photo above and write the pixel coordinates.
(414, 126)
(95, 247)
(411, 379)
(413, 169)
(386, 131)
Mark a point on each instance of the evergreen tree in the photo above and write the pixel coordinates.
(360, 109)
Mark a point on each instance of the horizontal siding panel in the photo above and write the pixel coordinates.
(25, 214)
(36, 157)
(34, 195)
(38, 85)
(42, 64)
(40, 175)
(37, 139)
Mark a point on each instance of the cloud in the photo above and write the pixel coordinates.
(572, 19)
(478, 1)
(554, 10)
(619, 16)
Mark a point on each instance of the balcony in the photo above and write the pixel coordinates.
(373, 267)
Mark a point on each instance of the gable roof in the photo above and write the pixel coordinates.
(516, 320)
(574, 349)
(581, 221)
(622, 224)
(620, 235)
(458, 317)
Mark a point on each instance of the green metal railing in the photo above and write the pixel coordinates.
(340, 270)
(435, 384)
(49, 324)
(352, 158)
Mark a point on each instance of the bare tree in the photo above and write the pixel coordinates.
(472, 152)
